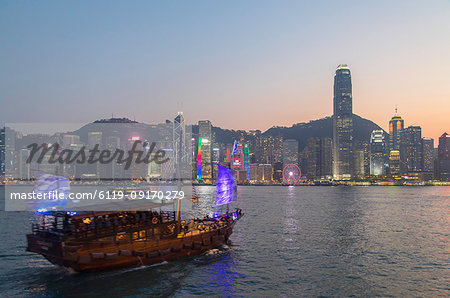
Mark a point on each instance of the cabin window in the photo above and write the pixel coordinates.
(122, 237)
(139, 235)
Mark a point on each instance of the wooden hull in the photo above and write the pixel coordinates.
(98, 256)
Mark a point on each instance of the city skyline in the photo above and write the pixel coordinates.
(272, 65)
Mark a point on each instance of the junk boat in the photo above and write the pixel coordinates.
(97, 241)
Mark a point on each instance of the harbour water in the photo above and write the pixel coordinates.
(292, 241)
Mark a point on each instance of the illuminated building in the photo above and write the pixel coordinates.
(253, 173)
(7, 153)
(246, 156)
(394, 163)
(179, 137)
(444, 157)
(255, 146)
(181, 147)
(237, 156)
(215, 159)
(278, 172)
(290, 152)
(277, 149)
(427, 158)
(260, 173)
(2, 152)
(317, 158)
(265, 173)
(168, 168)
(358, 163)
(272, 148)
(342, 124)
(204, 151)
(395, 126)
(377, 153)
(326, 157)
(411, 150)
(165, 131)
(311, 164)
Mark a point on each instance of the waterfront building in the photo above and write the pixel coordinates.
(377, 153)
(265, 173)
(8, 164)
(326, 158)
(358, 164)
(278, 172)
(24, 167)
(205, 169)
(241, 176)
(2, 152)
(179, 137)
(411, 150)
(444, 157)
(317, 158)
(364, 146)
(312, 156)
(428, 158)
(253, 173)
(394, 164)
(342, 124)
(167, 168)
(181, 147)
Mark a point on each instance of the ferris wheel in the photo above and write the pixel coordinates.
(291, 174)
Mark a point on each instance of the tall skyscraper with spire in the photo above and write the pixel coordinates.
(342, 124)
(395, 126)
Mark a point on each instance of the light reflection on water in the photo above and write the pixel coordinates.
(330, 241)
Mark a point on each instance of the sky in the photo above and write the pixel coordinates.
(241, 64)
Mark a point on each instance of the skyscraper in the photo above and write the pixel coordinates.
(395, 126)
(204, 150)
(317, 158)
(2, 151)
(290, 152)
(444, 157)
(394, 164)
(427, 158)
(94, 138)
(342, 124)
(411, 149)
(377, 153)
(180, 147)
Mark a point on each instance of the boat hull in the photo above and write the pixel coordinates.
(95, 256)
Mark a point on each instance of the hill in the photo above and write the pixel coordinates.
(323, 128)
(301, 131)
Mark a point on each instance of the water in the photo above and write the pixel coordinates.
(292, 241)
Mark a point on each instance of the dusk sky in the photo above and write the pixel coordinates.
(242, 65)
